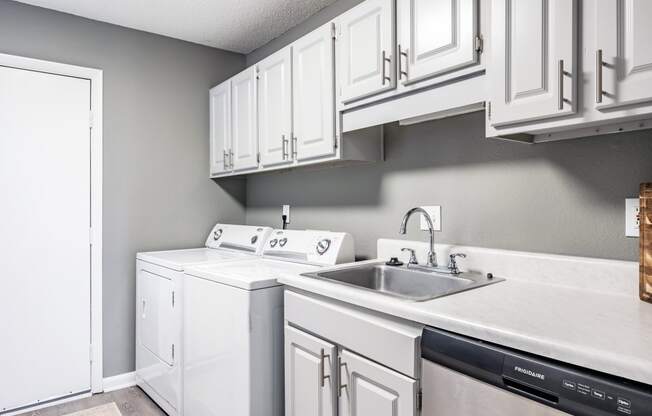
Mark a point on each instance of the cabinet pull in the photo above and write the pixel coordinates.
(285, 147)
(322, 368)
(561, 84)
(226, 160)
(384, 72)
(401, 55)
(295, 144)
(341, 386)
(231, 158)
(598, 76)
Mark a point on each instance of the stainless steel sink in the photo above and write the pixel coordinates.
(404, 282)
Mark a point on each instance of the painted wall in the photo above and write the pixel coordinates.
(565, 197)
(157, 194)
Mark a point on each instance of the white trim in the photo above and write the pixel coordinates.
(121, 381)
(30, 409)
(96, 78)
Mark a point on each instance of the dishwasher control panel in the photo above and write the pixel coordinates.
(568, 388)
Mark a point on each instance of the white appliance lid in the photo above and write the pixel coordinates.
(180, 259)
(249, 275)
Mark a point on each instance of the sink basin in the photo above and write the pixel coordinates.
(404, 282)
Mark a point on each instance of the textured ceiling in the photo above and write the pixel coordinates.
(234, 25)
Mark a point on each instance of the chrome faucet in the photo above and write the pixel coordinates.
(432, 256)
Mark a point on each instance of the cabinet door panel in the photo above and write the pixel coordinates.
(366, 37)
(373, 390)
(305, 368)
(436, 37)
(244, 119)
(313, 87)
(275, 108)
(220, 128)
(534, 66)
(624, 31)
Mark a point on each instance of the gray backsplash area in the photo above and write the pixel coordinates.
(563, 197)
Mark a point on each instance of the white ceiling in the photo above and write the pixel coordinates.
(235, 25)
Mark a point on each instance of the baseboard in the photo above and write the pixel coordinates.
(121, 381)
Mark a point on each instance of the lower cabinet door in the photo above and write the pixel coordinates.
(369, 389)
(309, 375)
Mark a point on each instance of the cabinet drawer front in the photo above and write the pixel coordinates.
(373, 390)
(392, 342)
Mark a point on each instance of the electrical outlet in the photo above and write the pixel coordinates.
(632, 217)
(286, 212)
(435, 216)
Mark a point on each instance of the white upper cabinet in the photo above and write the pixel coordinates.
(436, 37)
(369, 389)
(366, 50)
(623, 56)
(309, 375)
(275, 108)
(313, 88)
(244, 120)
(220, 128)
(533, 70)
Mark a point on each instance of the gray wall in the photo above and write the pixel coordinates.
(157, 193)
(565, 197)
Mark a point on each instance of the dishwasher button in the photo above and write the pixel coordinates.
(597, 394)
(570, 385)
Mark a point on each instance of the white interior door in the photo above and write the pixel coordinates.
(435, 37)
(313, 87)
(245, 120)
(309, 375)
(220, 128)
(624, 33)
(374, 390)
(45, 218)
(366, 50)
(533, 71)
(275, 108)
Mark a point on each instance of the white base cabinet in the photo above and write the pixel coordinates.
(324, 377)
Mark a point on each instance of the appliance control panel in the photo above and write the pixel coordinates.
(248, 238)
(310, 246)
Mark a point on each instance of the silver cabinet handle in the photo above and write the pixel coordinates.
(295, 145)
(226, 160)
(322, 368)
(401, 55)
(384, 72)
(341, 386)
(285, 147)
(231, 158)
(598, 76)
(561, 84)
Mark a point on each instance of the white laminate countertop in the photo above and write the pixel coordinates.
(609, 332)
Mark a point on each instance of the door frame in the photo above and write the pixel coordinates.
(95, 76)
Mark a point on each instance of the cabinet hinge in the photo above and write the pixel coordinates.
(420, 400)
(479, 44)
(173, 298)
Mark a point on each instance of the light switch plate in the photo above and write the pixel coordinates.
(286, 212)
(632, 217)
(435, 217)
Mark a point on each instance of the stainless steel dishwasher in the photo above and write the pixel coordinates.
(466, 377)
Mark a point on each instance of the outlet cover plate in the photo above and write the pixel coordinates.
(286, 212)
(632, 217)
(435, 217)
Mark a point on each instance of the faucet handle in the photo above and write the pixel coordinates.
(413, 255)
(452, 264)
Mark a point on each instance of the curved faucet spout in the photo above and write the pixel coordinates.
(432, 256)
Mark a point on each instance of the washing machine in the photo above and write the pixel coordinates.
(233, 324)
(159, 307)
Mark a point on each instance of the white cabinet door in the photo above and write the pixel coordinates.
(435, 37)
(533, 73)
(373, 390)
(220, 128)
(366, 49)
(309, 375)
(244, 118)
(624, 37)
(313, 87)
(275, 108)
